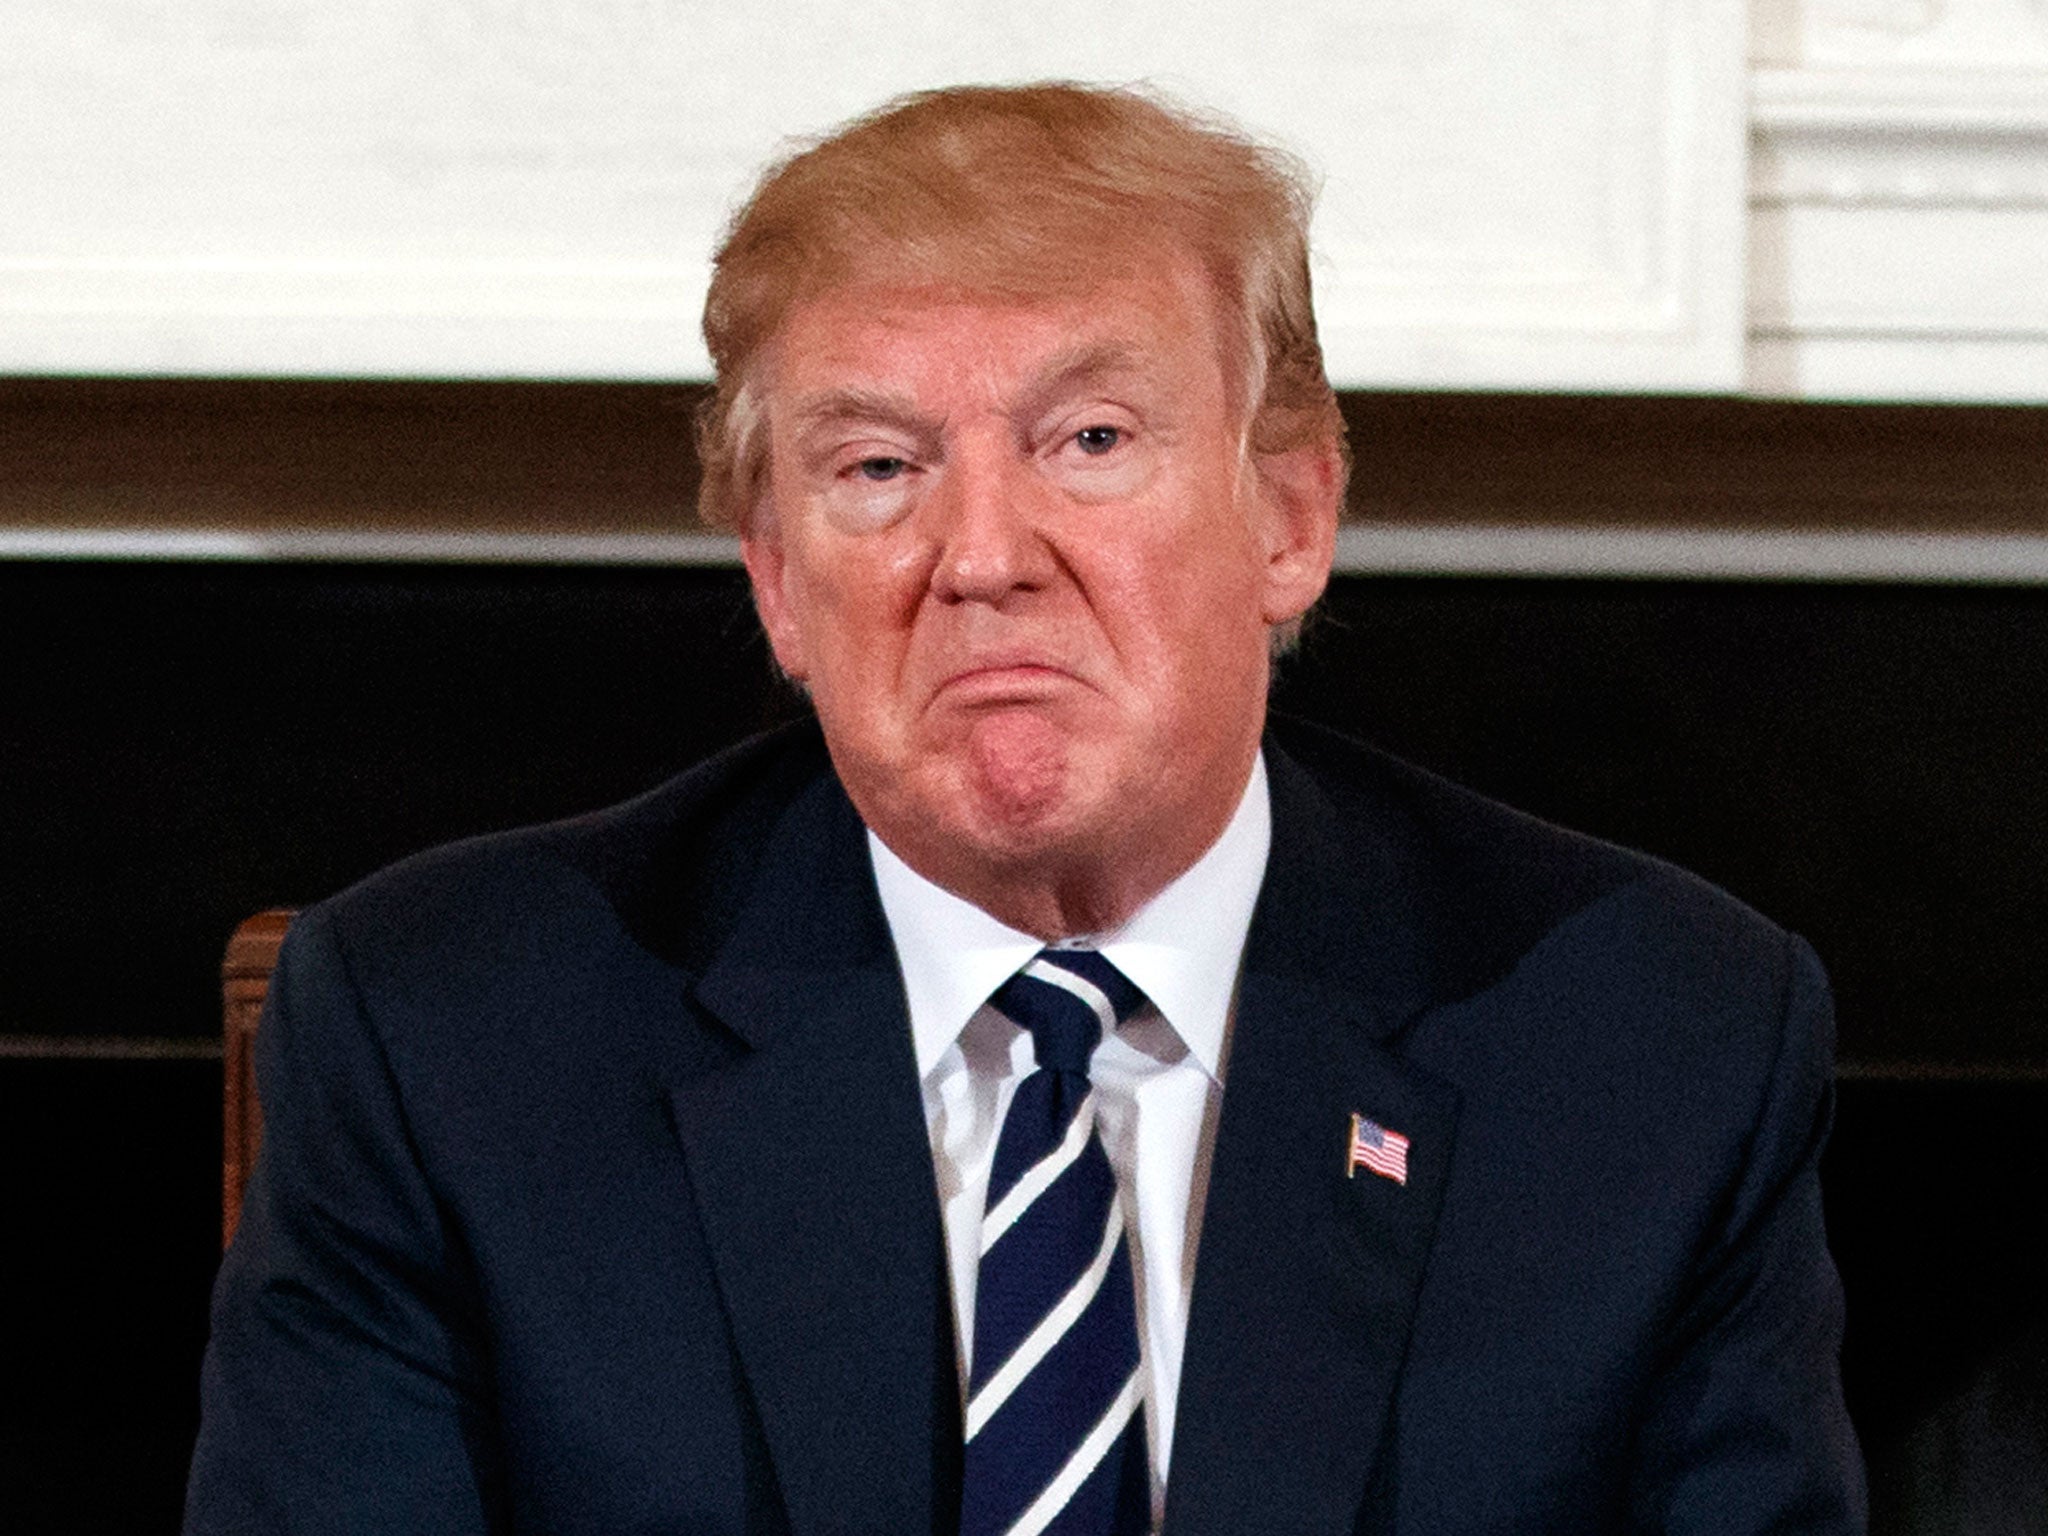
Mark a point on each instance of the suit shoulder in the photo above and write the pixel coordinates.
(1494, 883)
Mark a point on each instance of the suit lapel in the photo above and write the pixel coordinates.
(811, 1169)
(1306, 1277)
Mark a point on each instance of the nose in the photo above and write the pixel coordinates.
(987, 527)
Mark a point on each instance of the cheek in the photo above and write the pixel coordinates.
(1193, 589)
(857, 601)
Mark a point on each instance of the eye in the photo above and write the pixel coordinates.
(881, 468)
(1099, 439)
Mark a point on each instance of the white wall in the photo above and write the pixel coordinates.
(1524, 194)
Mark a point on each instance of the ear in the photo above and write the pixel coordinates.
(769, 573)
(1298, 493)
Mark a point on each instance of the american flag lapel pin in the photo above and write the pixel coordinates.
(1377, 1150)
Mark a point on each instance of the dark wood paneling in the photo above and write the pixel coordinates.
(1718, 463)
(267, 455)
(618, 458)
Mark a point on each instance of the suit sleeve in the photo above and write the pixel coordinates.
(343, 1383)
(1745, 1429)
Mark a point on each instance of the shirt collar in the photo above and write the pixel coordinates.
(1182, 948)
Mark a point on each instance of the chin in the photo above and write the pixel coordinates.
(1006, 827)
(1033, 786)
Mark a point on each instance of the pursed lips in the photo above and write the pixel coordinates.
(1018, 678)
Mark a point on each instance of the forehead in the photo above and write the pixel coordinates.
(1159, 328)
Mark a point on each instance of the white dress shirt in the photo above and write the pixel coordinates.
(1158, 1079)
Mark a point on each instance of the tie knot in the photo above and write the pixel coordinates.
(1067, 998)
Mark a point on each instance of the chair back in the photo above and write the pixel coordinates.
(244, 983)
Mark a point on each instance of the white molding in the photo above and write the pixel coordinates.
(1899, 232)
(1892, 138)
(1380, 549)
(1937, 274)
(1901, 36)
(1694, 554)
(344, 546)
(1960, 370)
(1640, 289)
(229, 315)
(1898, 103)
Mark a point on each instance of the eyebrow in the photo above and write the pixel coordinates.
(1082, 364)
(831, 407)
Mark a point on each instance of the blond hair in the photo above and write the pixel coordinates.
(1019, 192)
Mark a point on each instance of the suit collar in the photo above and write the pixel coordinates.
(1340, 918)
(808, 914)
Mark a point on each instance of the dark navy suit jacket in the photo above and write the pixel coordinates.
(597, 1194)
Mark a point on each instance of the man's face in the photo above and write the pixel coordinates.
(1022, 560)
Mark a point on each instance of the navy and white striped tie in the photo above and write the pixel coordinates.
(1055, 1421)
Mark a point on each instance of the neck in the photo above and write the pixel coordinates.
(1062, 904)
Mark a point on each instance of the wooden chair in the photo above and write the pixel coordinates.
(244, 981)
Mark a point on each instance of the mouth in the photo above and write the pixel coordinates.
(1005, 680)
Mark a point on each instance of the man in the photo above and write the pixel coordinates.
(1036, 1096)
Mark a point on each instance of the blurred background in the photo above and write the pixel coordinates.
(1695, 360)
